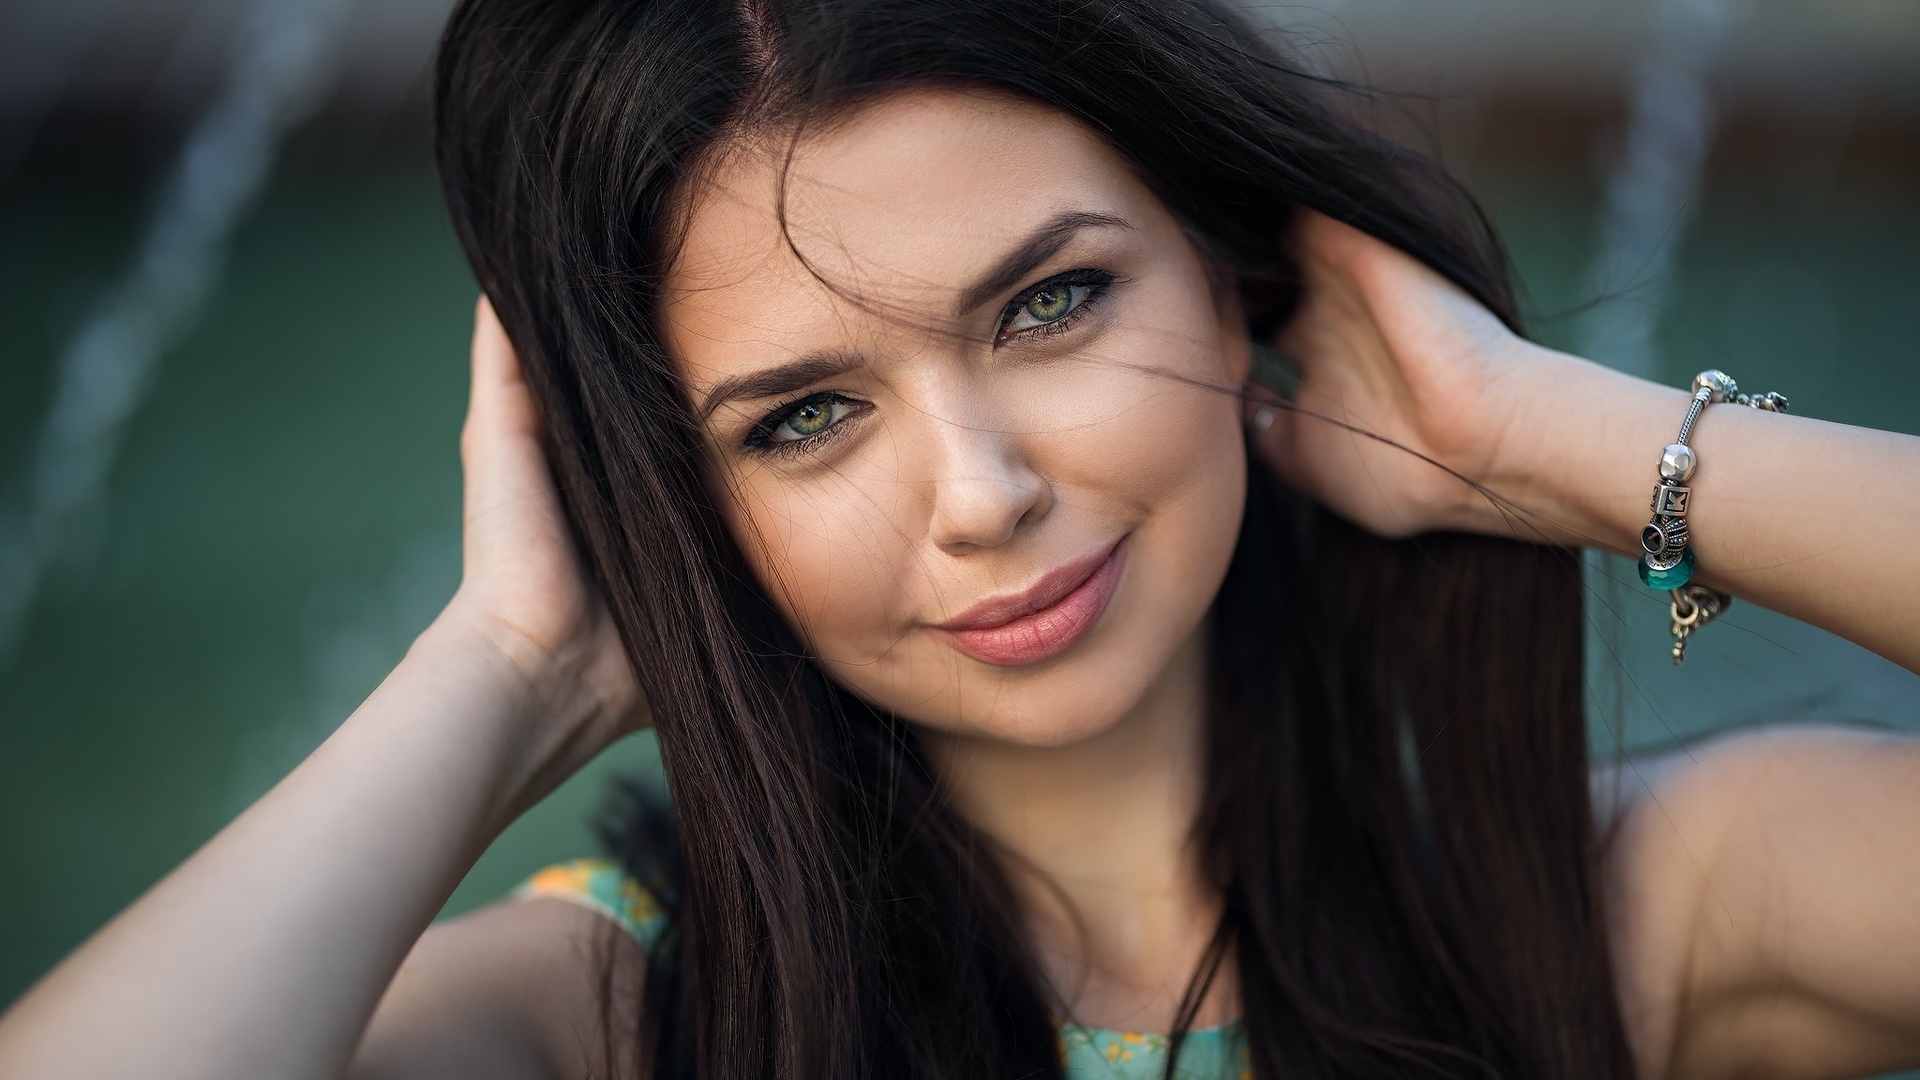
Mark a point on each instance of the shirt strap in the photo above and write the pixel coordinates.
(601, 886)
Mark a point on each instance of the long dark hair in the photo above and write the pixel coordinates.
(1398, 814)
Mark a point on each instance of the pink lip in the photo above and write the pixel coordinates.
(1044, 619)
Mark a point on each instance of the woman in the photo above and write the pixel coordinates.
(869, 410)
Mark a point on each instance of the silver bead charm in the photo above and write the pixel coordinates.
(1718, 381)
(1677, 462)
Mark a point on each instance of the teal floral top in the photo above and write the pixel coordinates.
(1218, 1053)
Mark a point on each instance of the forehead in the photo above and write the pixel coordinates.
(903, 200)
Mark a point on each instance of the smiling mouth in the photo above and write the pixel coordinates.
(1044, 620)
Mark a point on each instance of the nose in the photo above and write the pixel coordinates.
(985, 489)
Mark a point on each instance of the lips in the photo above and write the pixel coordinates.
(1044, 619)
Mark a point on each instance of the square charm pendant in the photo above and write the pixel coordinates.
(1670, 500)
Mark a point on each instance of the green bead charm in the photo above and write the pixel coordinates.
(1668, 580)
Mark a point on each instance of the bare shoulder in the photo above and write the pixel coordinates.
(510, 992)
(1732, 866)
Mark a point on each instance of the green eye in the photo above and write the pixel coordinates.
(1052, 306)
(802, 421)
(1049, 303)
(810, 419)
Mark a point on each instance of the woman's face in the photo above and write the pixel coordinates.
(986, 467)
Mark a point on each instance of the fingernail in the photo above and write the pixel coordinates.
(1263, 418)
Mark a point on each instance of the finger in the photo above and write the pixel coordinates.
(1353, 271)
(499, 405)
(500, 448)
(1321, 244)
(498, 392)
(1327, 245)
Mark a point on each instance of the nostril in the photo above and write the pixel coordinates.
(980, 511)
(988, 510)
(987, 488)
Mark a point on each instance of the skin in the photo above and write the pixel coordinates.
(978, 459)
(1761, 905)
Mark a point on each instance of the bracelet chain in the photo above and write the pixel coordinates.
(1666, 561)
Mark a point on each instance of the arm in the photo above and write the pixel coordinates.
(1764, 898)
(1765, 893)
(1812, 519)
(508, 992)
(264, 954)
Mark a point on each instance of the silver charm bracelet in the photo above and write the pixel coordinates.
(1665, 562)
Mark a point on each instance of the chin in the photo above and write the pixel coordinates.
(1048, 724)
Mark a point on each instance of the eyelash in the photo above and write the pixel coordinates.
(1096, 282)
(760, 439)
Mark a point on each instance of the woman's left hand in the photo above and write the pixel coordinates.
(1393, 353)
(1809, 833)
(1812, 519)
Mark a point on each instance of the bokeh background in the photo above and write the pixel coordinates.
(232, 360)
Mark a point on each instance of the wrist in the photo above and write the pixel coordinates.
(1574, 459)
(555, 683)
(556, 708)
(455, 646)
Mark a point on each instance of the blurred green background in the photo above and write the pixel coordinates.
(283, 519)
(280, 512)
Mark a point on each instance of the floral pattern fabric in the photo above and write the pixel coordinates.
(1088, 1053)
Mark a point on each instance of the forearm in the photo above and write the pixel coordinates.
(1812, 519)
(264, 953)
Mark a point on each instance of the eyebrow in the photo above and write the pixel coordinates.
(1041, 244)
(775, 381)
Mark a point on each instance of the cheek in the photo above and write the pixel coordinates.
(1175, 465)
(831, 550)
(1153, 444)
(1153, 420)
(1141, 435)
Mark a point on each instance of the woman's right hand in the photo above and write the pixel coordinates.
(265, 953)
(525, 594)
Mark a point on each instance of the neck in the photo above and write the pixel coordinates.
(1099, 836)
